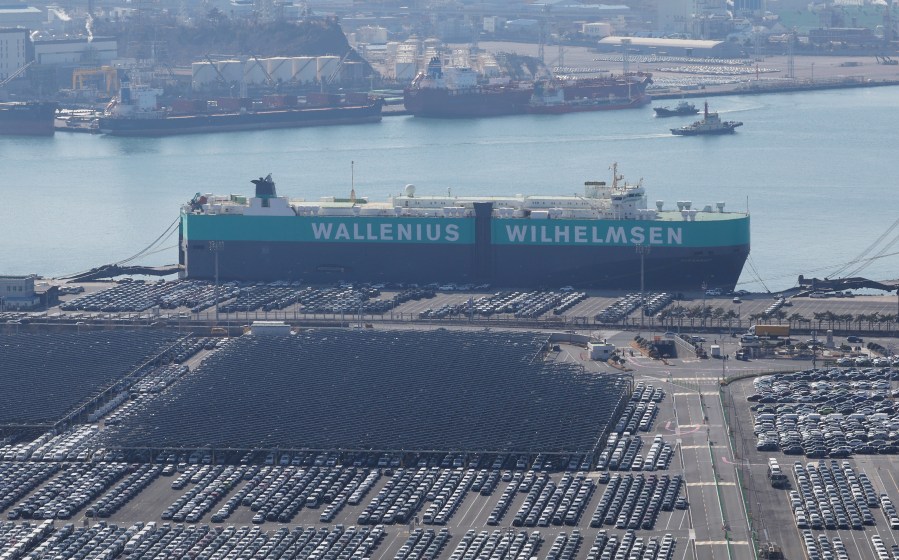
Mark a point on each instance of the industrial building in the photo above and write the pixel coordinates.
(17, 292)
(670, 47)
(15, 50)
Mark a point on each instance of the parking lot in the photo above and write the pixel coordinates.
(688, 420)
(772, 510)
(505, 505)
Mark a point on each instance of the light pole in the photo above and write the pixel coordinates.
(216, 247)
(813, 71)
(642, 250)
(814, 350)
(703, 287)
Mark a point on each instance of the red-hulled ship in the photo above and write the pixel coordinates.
(30, 118)
(455, 92)
(555, 101)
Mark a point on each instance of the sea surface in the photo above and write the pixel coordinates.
(818, 172)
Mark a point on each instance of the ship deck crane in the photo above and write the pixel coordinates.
(221, 77)
(330, 78)
(15, 74)
(268, 77)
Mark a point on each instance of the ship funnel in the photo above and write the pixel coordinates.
(685, 215)
(720, 206)
(265, 187)
(680, 205)
(659, 204)
(687, 204)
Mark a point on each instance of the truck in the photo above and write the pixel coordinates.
(715, 351)
(770, 331)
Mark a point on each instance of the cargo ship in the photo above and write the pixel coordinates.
(458, 92)
(595, 240)
(28, 118)
(552, 101)
(135, 113)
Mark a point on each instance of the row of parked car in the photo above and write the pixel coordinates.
(16, 539)
(634, 502)
(408, 490)
(501, 545)
(139, 296)
(622, 454)
(423, 543)
(822, 549)
(209, 485)
(18, 479)
(834, 413)
(125, 491)
(833, 497)
(67, 493)
(610, 547)
(548, 503)
(141, 541)
(624, 306)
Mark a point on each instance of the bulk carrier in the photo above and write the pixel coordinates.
(597, 240)
(31, 118)
(135, 113)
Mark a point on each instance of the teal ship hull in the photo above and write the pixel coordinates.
(677, 254)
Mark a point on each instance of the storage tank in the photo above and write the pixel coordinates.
(392, 47)
(280, 68)
(326, 66)
(597, 29)
(404, 70)
(254, 72)
(203, 73)
(231, 70)
(304, 69)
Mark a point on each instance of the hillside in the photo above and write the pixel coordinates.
(216, 34)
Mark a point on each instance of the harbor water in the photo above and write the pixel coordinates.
(816, 170)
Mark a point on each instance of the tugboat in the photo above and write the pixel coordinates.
(710, 124)
(682, 108)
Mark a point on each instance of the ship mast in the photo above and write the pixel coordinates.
(353, 182)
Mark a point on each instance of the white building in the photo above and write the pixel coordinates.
(73, 51)
(21, 15)
(14, 47)
(598, 29)
(17, 292)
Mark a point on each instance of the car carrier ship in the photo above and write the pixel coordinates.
(597, 240)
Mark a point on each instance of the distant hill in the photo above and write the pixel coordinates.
(216, 34)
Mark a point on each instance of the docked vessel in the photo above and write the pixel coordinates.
(85, 121)
(711, 123)
(455, 92)
(682, 108)
(588, 241)
(458, 92)
(29, 118)
(135, 113)
(552, 101)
